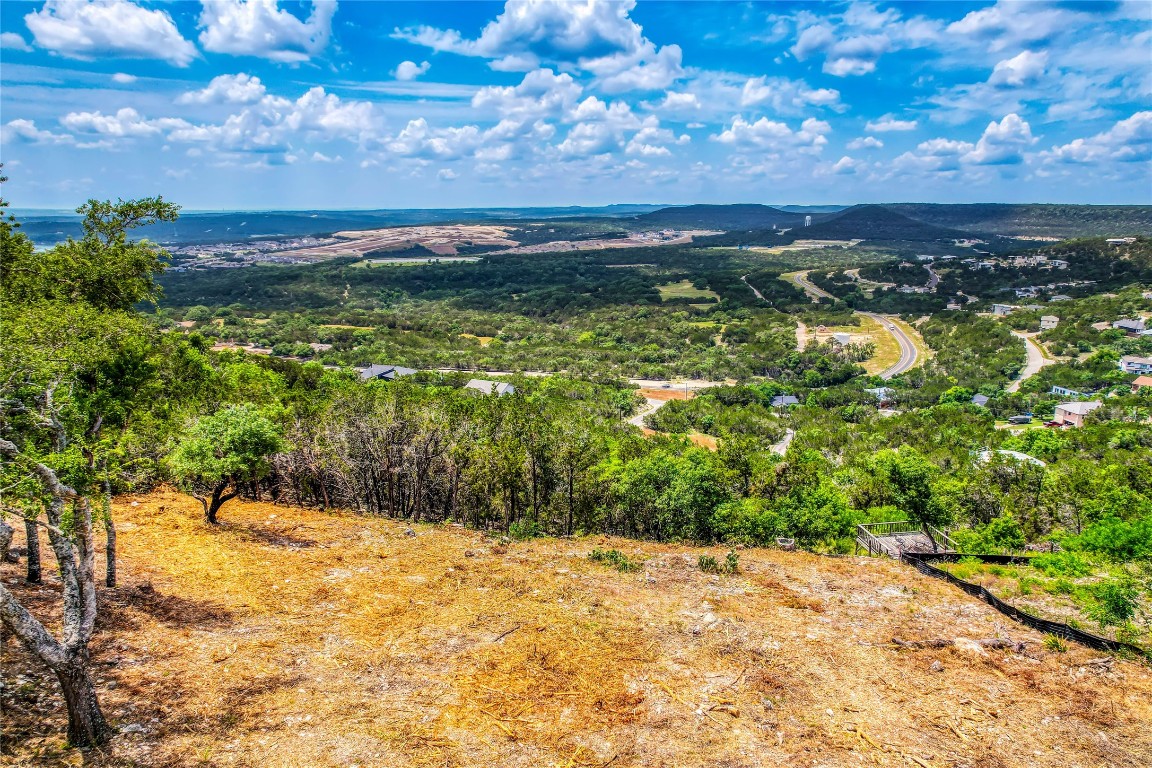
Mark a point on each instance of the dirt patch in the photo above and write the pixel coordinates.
(672, 393)
(377, 648)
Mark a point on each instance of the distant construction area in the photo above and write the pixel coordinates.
(446, 239)
(442, 240)
(633, 240)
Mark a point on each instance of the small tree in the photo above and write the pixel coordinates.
(910, 478)
(223, 451)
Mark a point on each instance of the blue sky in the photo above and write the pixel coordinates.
(259, 104)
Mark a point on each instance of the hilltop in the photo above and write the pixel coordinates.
(296, 637)
(726, 217)
(876, 222)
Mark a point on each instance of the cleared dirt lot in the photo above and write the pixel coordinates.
(291, 637)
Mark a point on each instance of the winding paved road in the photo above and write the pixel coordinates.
(814, 293)
(1036, 360)
(908, 353)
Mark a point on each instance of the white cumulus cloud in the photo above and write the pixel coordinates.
(596, 37)
(865, 142)
(125, 123)
(889, 123)
(1129, 141)
(14, 42)
(410, 70)
(93, 29)
(26, 130)
(1002, 143)
(1024, 68)
(772, 135)
(261, 28)
(240, 88)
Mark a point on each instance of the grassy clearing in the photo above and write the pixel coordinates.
(685, 290)
(887, 348)
(290, 637)
(484, 340)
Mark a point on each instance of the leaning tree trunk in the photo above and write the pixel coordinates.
(32, 535)
(67, 658)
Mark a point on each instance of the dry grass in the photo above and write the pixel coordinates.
(291, 637)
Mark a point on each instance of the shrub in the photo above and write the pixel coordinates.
(1115, 602)
(615, 559)
(708, 564)
(1055, 644)
(1117, 539)
(522, 530)
(1061, 564)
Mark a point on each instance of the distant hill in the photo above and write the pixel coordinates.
(726, 217)
(1039, 220)
(875, 222)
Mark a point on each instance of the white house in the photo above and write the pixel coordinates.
(1003, 309)
(1136, 364)
(489, 387)
(1048, 322)
(1074, 413)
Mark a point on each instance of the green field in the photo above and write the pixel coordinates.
(685, 290)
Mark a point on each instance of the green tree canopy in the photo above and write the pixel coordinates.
(223, 450)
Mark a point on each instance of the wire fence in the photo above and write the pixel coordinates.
(923, 563)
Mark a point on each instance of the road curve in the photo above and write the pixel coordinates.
(801, 279)
(1036, 361)
(908, 353)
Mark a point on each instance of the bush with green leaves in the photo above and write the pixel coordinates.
(522, 530)
(1115, 601)
(1062, 564)
(1120, 540)
(615, 559)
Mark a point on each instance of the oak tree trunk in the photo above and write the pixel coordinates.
(86, 724)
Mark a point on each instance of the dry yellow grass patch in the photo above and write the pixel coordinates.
(291, 637)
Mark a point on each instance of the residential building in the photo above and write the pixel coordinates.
(1048, 322)
(1135, 364)
(1120, 240)
(1065, 392)
(1141, 382)
(980, 400)
(1003, 310)
(783, 401)
(1074, 413)
(954, 305)
(883, 395)
(490, 387)
(1059, 297)
(385, 372)
(1129, 325)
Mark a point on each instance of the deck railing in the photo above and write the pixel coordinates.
(868, 536)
